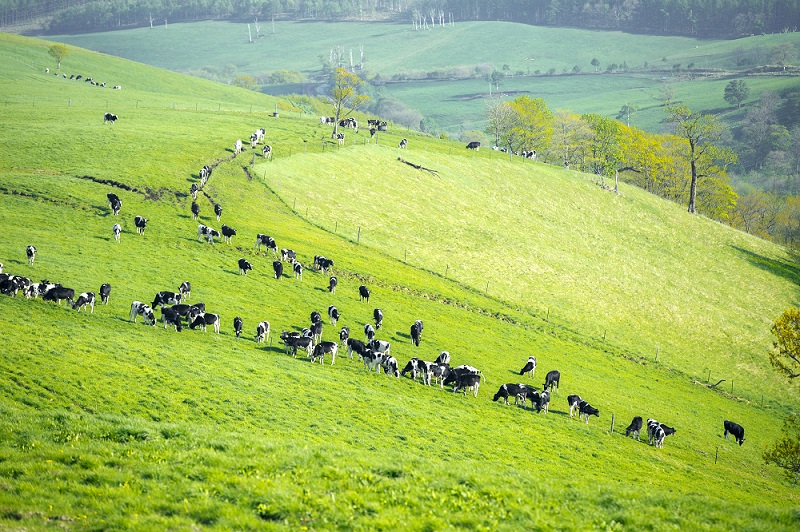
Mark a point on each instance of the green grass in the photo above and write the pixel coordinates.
(456, 105)
(107, 425)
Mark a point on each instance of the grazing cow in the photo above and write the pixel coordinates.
(57, 294)
(389, 365)
(324, 347)
(166, 298)
(344, 334)
(333, 314)
(267, 151)
(380, 346)
(443, 358)
(518, 391)
(205, 173)
(193, 190)
(262, 331)
(417, 366)
(206, 320)
(372, 132)
(206, 232)
(339, 138)
(114, 203)
(668, 431)
(403, 144)
(228, 233)
(86, 298)
(185, 289)
(171, 316)
(195, 210)
(416, 332)
(253, 140)
(267, 241)
(369, 332)
(117, 230)
(543, 402)
(117, 87)
(372, 360)
(586, 410)
(454, 373)
(735, 429)
(321, 263)
(355, 345)
(316, 331)
(474, 145)
(656, 432)
(298, 270)
(109, 117)
(468, 381)
(439, 372)
(140, 222)
(363, 292)
(293, 342)
(551, 380)
(378, 315)
(635, 427)
(574, 402)
(237, 326)
(288, 255)
(218, 210)
(530, 367)
(105, 291)
(277, 266)
(244, 266)
(30, 251)
(141, 309)
(332, 282)
(237, 147)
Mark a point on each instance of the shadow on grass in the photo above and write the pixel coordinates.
(785, 269)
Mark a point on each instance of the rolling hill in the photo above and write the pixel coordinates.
(110, 425)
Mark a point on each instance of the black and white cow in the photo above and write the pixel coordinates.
(141, 309)
(403, 144)
(57, 294)
(206, 232)
(195, 208)
(244, 266)
(204, 321)
(380, 346)
(530, 367)
(468, 381)
(315, 316)
(517, 391)
(140, 222)
(552, 380)
(574, 402)
(171, 316)
(321, 349)
(293, 342)
(656, 432)
(277, 267)
(377, 315)
(333, 314)
(298, 270)
(105, 292)
(114, 203)
(372, 360)
(369, 332)
(543, 402)
(339, 138)
(363, 293)
(238, 323)
(443, 358)
(586, 410)
(344, 334)
(262, 332)
(332, 282)
(416, 366)
(86, 298)
(735, 429)
(474, 145)
(321, 263)
(354, 345)
(166, 298)
(439, 373)
(454, 373)
(218, 210)
(30, 251)
(635, 427)
(193, 190)
(416, 332)
(185, 290)
(389, 365)
(110, 117)
(288, 255)
(266, 151)
(116, 230)
(267, 241)
(237, 147)
(228, 233)
(316, 331)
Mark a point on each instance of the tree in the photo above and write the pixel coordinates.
(786, 354)
(595, 63)
(344, 92)
(783, 53)
(500, 116)
(626, 111)
(59, 52)
(245, 82)
(785, 453)
(736, 92)
(571, 135)
(701, 133)
(532, 125)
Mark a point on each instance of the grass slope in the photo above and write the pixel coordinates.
(107, 425)
(458, 105)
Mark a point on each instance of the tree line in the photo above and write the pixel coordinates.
(673, 17)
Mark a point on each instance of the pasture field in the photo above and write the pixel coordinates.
(110, 425)
(460, 104)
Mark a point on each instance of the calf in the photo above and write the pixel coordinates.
(530, 367)
(185, 289)
(574, 402)
(109, 117)
(114, 203)
(277, 267)
(244, 266)
(105, 291)
(634, 428)
(416, 332)
(369, 332)
(324, 347)
(344, 334)
(403, 144)
(237, 326)
(218, 210)
(552, 380)
(116, 230)
(267, 151)
(141, 309)
(468, 381)
(195, 208)
(332, 282)
(57, 294)
(378, 315)
(267, 241)
(735, 429)
(228, 233)
(262, 332)
(518, 391)
(166, 298)
(363, 292)
(86, 298)
(171, 316)
(333, 314)
(237, 147)
(543, 402)
(298, 270)
(140, 222)
(586, 410)
(30, 251)
(206, 320)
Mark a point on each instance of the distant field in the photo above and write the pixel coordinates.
(457, 105)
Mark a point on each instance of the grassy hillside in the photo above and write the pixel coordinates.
(391, 49)
(110, 425)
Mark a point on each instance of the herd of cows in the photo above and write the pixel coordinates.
(374, 353)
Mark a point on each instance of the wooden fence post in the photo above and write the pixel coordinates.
(612, 423)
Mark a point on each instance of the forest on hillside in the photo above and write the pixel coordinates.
(663, 17)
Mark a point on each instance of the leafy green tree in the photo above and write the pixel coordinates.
(595, 63)
(785, 453)
(245, 82)
(59, 52)
(571, 135)
(736, 91)
(785, 357)
(532, 125)
(345, 95)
